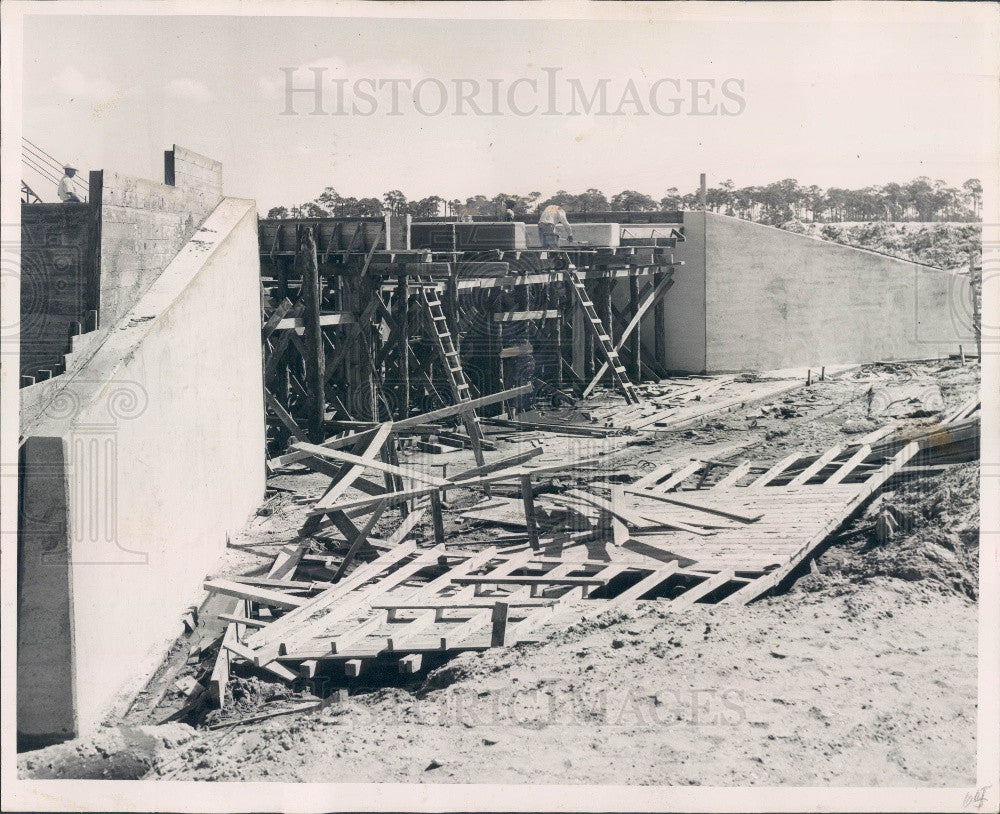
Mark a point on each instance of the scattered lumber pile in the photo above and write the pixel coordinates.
(682, 533)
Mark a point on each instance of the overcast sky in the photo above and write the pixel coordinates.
(827, 98)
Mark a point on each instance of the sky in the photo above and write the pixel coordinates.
(826, 96)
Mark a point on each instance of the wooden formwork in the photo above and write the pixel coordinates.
(346, 337)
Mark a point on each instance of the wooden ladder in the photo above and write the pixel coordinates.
(618, 373)
(452, 363)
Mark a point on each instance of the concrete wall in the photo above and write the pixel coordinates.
(775, 299)
(58, 279)
(684, 303)
(144, 223)
(468, 236)
(162, 432)
(46, 690)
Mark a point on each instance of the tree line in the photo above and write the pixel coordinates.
(922, 199)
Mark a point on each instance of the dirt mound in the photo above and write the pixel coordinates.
(926, 531)
(118, 753)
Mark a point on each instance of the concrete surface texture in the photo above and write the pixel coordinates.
(468, 236)
(777, 299)
(144, 224)
(753, 297)
(684, 304)
(58, 279)
(144, 519)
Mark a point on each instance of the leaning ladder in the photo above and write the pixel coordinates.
(452, 363)
(615, 365)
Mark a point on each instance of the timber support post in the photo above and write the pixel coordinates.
(315, 355)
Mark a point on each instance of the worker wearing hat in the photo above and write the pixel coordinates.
(66, 193)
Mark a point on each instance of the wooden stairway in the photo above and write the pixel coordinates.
(618, 373)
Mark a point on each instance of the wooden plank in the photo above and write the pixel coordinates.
(455, 602)
(325, 320)
(688, 503)
(775, 471)
(503, 463)
(527, 498)
(680, 476)
(437, 518)
(404, 528)
(465, 406)
(277, 315)
(498, 635)
(263, 596)
(267, 582)
(810, 471)
(282, 414)
(626, 516)
(734, 476)
(369, 463)
(654, 477)
(307, 267)
(345, 640)
(488, 579)
(643, 586)
(407, 494)
(334, 593)
(333, 471)
(848, 466)
(351, 603)
(337, 489)
(236, 618)
(287, 561)
(460, 633)
(425, 620)
(692, 595)
(522, 316)
(619, 532)
(410, 664)
(336, 442)
(359, 540)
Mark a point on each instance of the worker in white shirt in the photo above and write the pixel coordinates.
(552, 216)
(66, 193)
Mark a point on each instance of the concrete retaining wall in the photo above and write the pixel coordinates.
(144, 224)
(58, 279)
(144, 516)
(775, 299)
(752, 297)
(684, 303)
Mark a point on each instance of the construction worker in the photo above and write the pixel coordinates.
(66, 193)
(552, 216)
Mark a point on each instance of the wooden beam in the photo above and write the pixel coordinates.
(315, 356)
(691, 504)
(298, 324)
(498, 634)
(369, 463)
(360, 539)
(263, 596)
(527, 498)
(465, 406)
(524, 316)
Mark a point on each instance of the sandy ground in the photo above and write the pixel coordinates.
(873, 687)
(864, 673)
